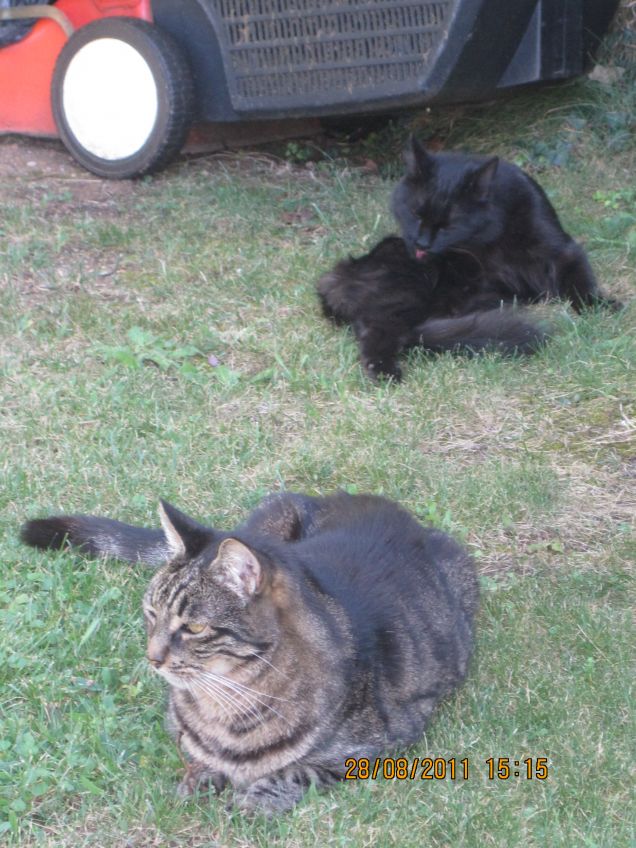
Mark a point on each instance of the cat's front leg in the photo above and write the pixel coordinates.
(281, 790)
(577, 283)
(379, 348)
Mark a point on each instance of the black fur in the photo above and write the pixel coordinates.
(478, 237)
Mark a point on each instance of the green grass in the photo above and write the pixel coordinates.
(162, 338)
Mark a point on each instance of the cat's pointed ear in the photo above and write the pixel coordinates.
(185, 536)
(418, 162)
(481, 180)
(237, 568)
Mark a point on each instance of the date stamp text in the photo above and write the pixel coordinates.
(440, 768)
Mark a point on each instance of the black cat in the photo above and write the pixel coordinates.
(478, 237)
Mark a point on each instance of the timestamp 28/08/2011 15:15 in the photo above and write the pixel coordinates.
(439, 768)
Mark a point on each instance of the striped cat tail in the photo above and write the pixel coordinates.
(96, 536)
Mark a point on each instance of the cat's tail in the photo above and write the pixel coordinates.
(506, 330)
(96, 536)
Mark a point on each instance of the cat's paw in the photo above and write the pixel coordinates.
(611, 303)
(198, 778)
(267, 797)
(379, 370)
(598, 301)
(185, 788)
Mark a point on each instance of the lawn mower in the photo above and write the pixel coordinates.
(121, 82)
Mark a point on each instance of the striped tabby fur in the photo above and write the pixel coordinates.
(320, 629)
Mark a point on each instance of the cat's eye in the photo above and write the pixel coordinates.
(194, 627)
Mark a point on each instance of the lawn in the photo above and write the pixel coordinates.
(162, 338)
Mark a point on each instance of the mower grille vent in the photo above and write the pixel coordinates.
(303, 52)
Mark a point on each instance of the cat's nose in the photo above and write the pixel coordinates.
(156, 653)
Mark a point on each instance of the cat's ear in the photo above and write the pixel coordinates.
(185, 536)
(419, 163)
(237, 568)
(481, 180)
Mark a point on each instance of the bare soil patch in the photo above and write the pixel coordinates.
(28, 164)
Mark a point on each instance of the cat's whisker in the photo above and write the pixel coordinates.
(227, 705)
(270, 664)
(237, 686)
(231, 709)
(221, 700)
(256, 691)
(262, 703)
(246, 693)
(223, 697)
(240, 700)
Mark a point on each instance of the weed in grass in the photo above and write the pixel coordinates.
(146, 347)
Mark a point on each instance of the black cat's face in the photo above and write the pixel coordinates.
(444, 203)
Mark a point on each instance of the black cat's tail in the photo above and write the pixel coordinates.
(506, 330)
(96, 536)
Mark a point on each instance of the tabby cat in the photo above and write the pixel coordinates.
(320, 629)
(478, 235)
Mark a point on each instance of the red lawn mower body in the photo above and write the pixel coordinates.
(26, 68)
